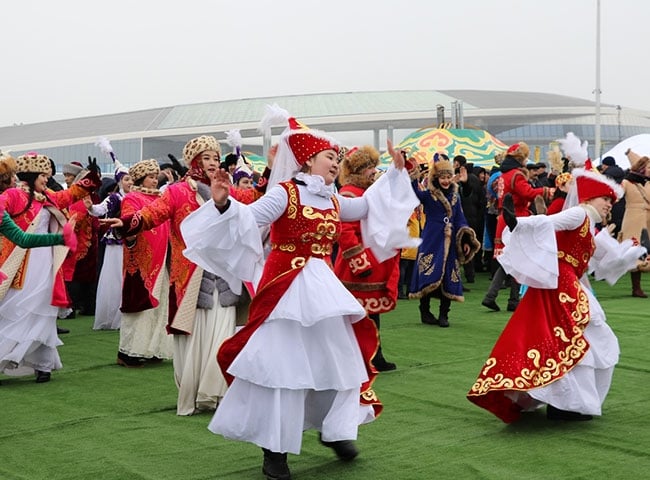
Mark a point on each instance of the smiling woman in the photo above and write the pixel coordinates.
(199, 318)
(302, 361)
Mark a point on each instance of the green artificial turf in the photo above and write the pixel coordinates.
(96, 420)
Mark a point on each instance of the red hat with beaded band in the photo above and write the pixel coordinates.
(298, 143)
(305, 142)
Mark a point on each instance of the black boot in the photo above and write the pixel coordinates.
(42, 377)
(443, 317)
(346, 450)
(425, 311)
(275, 466)
(128, 361)
(553, 413)
(378, 360)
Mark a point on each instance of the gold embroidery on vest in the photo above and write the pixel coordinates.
(298, 262)
(568, 258)
(292, 206)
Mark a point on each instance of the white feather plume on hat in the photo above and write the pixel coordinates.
(234, 139)
(274, 115)
(574, 150)
(105, 146)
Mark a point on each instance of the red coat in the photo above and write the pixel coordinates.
(372, 283)
(143, 261)
(515, 182)
(176, 203)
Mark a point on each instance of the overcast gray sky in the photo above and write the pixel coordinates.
(73, 58)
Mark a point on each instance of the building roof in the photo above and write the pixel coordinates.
(334, 108)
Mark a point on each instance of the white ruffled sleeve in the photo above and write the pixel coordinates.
(530, 252)
(228, 245)
(390, 202)
(611, 260)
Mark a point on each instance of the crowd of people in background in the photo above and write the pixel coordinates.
(284, 274)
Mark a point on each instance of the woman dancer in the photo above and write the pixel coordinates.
(302, 360)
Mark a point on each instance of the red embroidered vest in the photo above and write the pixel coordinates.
(300, 233)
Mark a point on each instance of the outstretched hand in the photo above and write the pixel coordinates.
(112, 222)
(398, 155)
(461, 176)
(220, 187)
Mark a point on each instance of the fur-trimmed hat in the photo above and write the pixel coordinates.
(198, 145)
(355, 163)
(593, 185)
(441, 165)
(7, 169)
(72, 168)
(144, 168)
(518, 151)
(7, 164)
(34, 163)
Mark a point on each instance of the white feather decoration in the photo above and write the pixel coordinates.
(104, 145)
(574, 150)
(274, 115)
(234, 139)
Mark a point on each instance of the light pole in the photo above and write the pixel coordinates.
(597, 91)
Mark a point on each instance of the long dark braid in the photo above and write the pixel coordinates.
(29, 178)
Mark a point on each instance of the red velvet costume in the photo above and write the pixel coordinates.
(145, 260)
(548, 347)
(372, 283)
(515, 182)
(177, 202)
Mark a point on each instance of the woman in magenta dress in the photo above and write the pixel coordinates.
(34, 290)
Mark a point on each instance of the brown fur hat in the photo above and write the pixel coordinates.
(7, 164)
(519, 151)
(354, 164)
(8, 169)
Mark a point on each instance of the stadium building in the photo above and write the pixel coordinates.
(354, 118)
